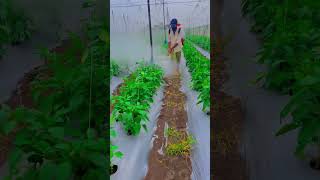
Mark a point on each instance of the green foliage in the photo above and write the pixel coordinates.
(132, 104)
(17, 26)
(113, 149)
(114, 69)
(201, 41)
(199, 67)
(179, 143)
(70, 82)
(291, 39)
(97, 29)
(20, 28)
(50, 145)
(65, 135)
(304, 108)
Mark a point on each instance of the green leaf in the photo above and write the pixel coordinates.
(46, 104)
(97, 174)
(310, 80)
(3, 116)
(98, 159)
(286, 128)
(118, 154)
(309, 130)
(145, 127)
(64, 171)
(8, 127)
(7, 178)
(30, 175)
(22, 138)
(113, 133)
(292, 103)
(15, 157)
(99, 145)
(84, 56)
(47, 171)
(299, 151)
(91, 133)
(64, 147)
(74, 132)
(57, 132)
(75, 101)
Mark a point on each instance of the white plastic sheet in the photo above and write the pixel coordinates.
(135, 149)
(115, 82)
(134, 164)
(198, 126)
(202, 51)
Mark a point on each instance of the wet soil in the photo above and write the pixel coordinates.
(20, 97)
(228, 163)
(228, 119)
(173, 114)
(116, 92)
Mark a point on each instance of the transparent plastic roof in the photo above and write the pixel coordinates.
(129, 25)
(133, 14)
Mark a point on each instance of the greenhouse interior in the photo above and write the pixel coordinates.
(160, 103)
(196, 90)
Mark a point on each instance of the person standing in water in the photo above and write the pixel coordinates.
(175, 40)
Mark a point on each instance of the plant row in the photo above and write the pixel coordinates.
(15, 27)
(201, 41)
(199, 67)
(179, 142)
(64, 136)
(136, 95)
(291, 39)
(114, 153)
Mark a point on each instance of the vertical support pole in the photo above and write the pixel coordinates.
(150, 29)
(124, 20)
(164, 24)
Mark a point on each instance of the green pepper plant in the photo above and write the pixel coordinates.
(199, 67)
(132, 104)
(201, 41)
(290, 33)
(64, 136)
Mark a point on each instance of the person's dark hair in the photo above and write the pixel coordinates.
(174, 21)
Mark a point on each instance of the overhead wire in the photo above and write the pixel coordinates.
(156, 6)
(153, 4)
